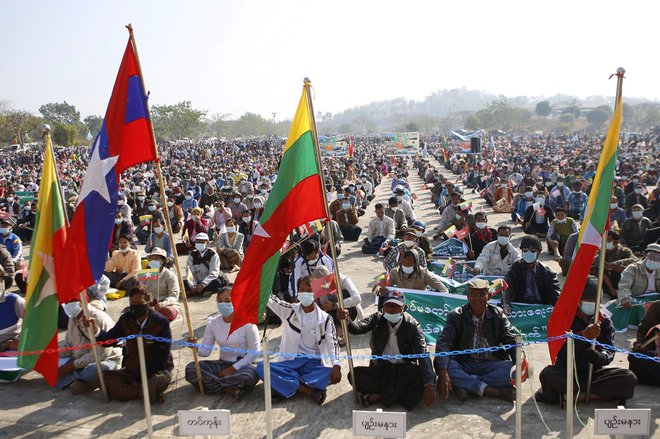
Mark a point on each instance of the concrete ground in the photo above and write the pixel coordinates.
(32, 409)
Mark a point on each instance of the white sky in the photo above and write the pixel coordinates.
(236, 56)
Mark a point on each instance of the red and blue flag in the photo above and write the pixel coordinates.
(126, 139)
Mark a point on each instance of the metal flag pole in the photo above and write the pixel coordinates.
(519, 354)
(166, 212)
(601, 262)
(331, 235)
(83, 297)
(569, 383)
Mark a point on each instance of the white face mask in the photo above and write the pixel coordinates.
(237, 200)
(170, 204)
(503, 185)
(188, 197)
(345, 206)
(529, 194)
(637, 214)
(408, 243)
(4, 230)
(503, 240)
(613, 206)
(247, 219)
(561, 221)
(200, 246)
(419, 233)
(124, 250)
(638, 191)
(257, 205)
(72, 309)
(118, 221)
(195, 218)
(152, 208)
(305, 298)
(458, 217)
(651, 265)
(154, 264)
(158, 230)
(141, 198)
(540, 200)
(588, 308)
(230, 229)
(560, 184)
(312, 261)
(480, 225)
(120, 202)
(609, 246)
(407, 270)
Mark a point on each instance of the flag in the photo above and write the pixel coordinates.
(324, 286)
(296, 198)
(126, 139)
(145, 219)
(451, 231)
(310, 228)
(462, 233)
(39, 331)
(351, 147)
(465, 205)
(147, 274)
(589, 240)
(493, 148)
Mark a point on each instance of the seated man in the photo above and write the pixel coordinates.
(404, 381)
(123, 266)
(164, 288)
(79, 373)
(640, 277)
(204, 266)
(347, 218)
(482, 236)
(634, 228)
(404, 204)
(393, 211)
(12, 308)
(381, 229)
(567, 256)
(617, 258)
(410, 275)
(611, 384)
(497, 257)
(409, 243)
(307, 330)
(560, 229)
(529, 280)
(449, 214)
(647, 372)
(12, 242)
(422, 241)
(473, 326)
(232, 373)
(350, 296)
(538, 217)
(125, 384)
(194, 224)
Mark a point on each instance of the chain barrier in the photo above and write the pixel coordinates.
(292, 355)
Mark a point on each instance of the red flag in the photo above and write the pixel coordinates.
(324, 286)
(462, 233)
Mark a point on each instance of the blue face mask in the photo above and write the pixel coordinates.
(529, 257)
(393, 318)
(226, 309)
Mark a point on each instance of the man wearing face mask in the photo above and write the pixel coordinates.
(640, 277)
(381, 229)
(257, 208)
(473, 326)
(409, 243)
(560, 229)
(79, 373)
(122, 227)
(237, 207)
(393, 332)
(529, 280)
(232, 373)
(125, 384)
(404, 204)
(304, 265)
(189, 203)
(630, 187)
(498, 256)
(482, 236)
(538, 217)
(306, 329)
(409, 275)
(191, 228)
(397, 215)
(347, 218)
(449, 214)
(634, 228)
(635, 198)
(576, 202)
(609, 384)
(246, 227)
(12, 309)
(616, 213)
(165, 288)
(159, 238)
(144, 227)
(617, 258)
(204, 265)
(12, 242)
(422, 241)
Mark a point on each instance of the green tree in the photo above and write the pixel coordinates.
(412, 126)
(20, 127)
(218, 126)
(572, 109)
(599, 115)
(472, 122)
(93, 124)
(178, 121)
(543, 109)
(566, 122)
(62, 113)
(65, 134)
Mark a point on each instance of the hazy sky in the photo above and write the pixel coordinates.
(237, 56)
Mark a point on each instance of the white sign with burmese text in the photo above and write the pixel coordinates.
(204, 422)
(379, 424)
(622, 421)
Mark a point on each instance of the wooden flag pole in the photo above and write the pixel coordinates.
(331, 235)
(601, 262)
(168, 224)
(83, 299)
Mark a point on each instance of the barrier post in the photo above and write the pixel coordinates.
(267, 390)
(569, 384)
(145, 386)
(518, 386)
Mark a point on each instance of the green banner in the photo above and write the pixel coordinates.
(622, 318)
(431, 311)
(24, 196)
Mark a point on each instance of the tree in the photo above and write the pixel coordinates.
(543, 109)
(572, 109)
(566, 122)
(472, 122)
(412, 126)
(219, 125)
(65, 134)
(178, 121)
(599, 115)
(63, 113)
(20, 127)
(93, 124)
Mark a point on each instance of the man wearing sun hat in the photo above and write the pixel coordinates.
(476, 325)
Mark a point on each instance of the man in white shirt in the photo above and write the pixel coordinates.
(306, 329)
(204, 266)
(497, 257)
(381, 229)
(404, 204)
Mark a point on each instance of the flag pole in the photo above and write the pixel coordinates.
(331, 235)
(83, 298)
(166, 211)
(601, 262)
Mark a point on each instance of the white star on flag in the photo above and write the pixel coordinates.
(260, 231)
(96, 173)
(48, 289)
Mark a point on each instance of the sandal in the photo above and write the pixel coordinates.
(319, 396)
(365, 399)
